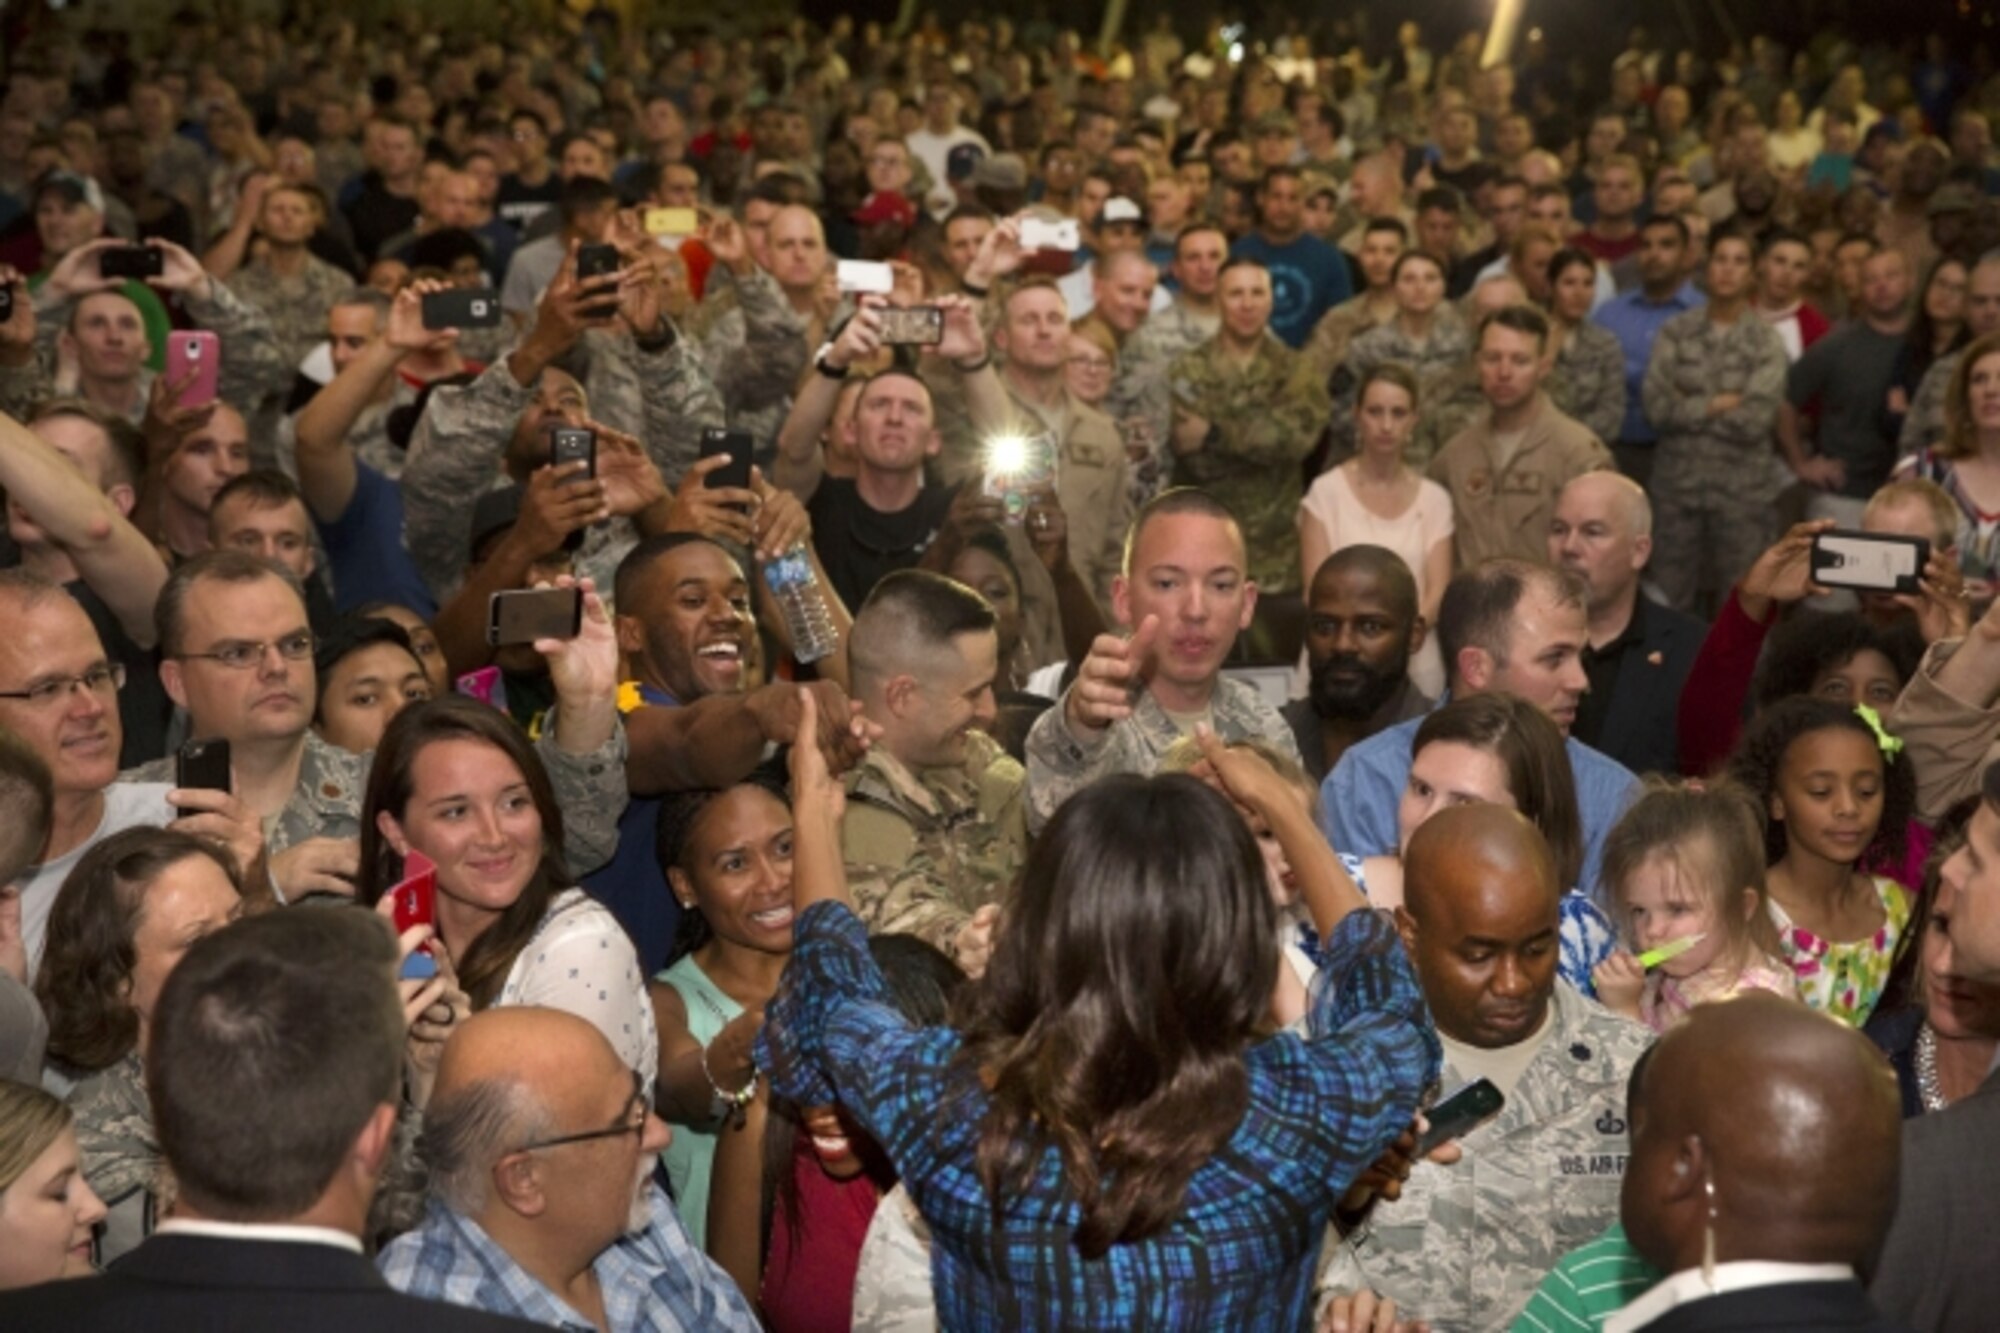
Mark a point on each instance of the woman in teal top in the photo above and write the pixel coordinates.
(727, 857)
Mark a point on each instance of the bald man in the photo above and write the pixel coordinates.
(540, 1144)
(1640, 650)
(1763, 1172)
(1466, 1245)
(936, 825)
(1936, 1269)
(1362, 627)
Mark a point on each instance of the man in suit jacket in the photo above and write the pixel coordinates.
(1763, 1172)
(1640, 650)
(275, 1069)
(1937, 1269)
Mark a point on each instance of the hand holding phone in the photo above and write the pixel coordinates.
(594, 262)
(138, 262)
(1869, 561)
(735, 445)
(912, 326)
(203, 765)
(462, 308)
(413, 902)
(1459, 1114)
(525, 615)
(198, 352)
(574, 444)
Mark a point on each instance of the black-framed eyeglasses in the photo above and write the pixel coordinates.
(241, 655)
(631, 1121)
(102, 679)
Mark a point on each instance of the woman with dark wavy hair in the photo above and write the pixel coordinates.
(1111, 1135)
(134, 904)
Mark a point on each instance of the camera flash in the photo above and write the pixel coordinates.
(1007, 454)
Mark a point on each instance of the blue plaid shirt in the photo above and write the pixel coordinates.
(654, 1281)
(1239, 1256)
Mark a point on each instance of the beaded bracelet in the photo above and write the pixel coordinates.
(729, 1104)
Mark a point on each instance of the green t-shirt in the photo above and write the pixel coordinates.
(1587, 1286)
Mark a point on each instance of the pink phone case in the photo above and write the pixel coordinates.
(201, 351)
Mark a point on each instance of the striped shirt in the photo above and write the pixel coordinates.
(1592, 1282)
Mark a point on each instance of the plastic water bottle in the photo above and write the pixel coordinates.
(803, 601)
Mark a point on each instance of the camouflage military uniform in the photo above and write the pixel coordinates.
(1434, 361)
(1466, 1245)
(326, 803)
(253, 366)
(1923, 424)
(120, 1152)
(925, 849)
(1142, 392)
(295, 307)
(1091, 474)
(892, 1281)
(1336, 331)
(754, 346)
(1267, 415)
(1060, 762)
(456, 452)
(1589, 380)
(1714, 479)
(21, 387)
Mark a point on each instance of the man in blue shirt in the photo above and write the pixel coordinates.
(1308, 276)
(1635, 319)
(538, 1139)
(1505, 625)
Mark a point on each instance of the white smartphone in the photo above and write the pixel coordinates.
(864, 277)
(1037, 234)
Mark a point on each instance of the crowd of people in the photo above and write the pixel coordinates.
(1108, 637)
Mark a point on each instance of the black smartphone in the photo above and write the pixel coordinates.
(6, 302)
(1869, 561)
(132, 261)
(537, 613)
(912, 326)
(203, 766)
(1461, 1113)
(598, 261)
(574, 444)
(462, 308)
(736, 444)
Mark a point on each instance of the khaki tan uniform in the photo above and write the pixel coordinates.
(1503, 508)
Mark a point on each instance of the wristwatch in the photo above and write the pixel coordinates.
(824, 367)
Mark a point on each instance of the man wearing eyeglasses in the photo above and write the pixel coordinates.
(59, 693)
(236, 649)
(540, 1144)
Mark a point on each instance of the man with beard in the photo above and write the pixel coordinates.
(1639, 651)
(1362, 625)
(934, 830)
(582, 1237)
(685, 634)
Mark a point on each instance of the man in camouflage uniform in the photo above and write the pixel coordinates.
(305, 794)
(935, 830)
(1712, 391)
(1186, 595)
(1467, 1244)
(1247, 412)
(1382, 244)
(1143, 402)
(476, 437)
(1923, 424)
(252, 367)
(290, 286)
(748, 334)
(1090, 464)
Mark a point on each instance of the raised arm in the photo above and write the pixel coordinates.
(326, 460)
(799, 466)
(253, 364)
(112, 555)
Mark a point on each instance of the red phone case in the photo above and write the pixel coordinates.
(414, 901)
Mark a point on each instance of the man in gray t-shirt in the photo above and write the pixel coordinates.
(1843, 381)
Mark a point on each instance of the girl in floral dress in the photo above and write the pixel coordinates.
(1834, 791)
